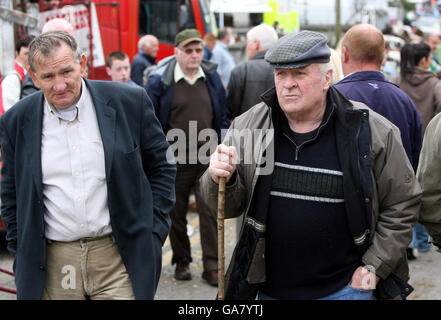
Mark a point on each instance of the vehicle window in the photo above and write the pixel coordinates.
(206, 16)
(186, 17)
(165, 18)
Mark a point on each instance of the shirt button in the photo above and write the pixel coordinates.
(77, 173)
(82, 226)
(74, 148)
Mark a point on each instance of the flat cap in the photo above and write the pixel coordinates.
(299, 50)
(186, 36)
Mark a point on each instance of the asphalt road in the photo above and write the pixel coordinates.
(423, 271)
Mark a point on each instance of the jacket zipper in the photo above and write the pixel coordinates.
(312, 139)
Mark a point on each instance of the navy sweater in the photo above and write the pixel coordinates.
(309, 249)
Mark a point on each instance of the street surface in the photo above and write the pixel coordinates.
(423, 271)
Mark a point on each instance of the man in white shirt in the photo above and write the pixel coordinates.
(87, 213)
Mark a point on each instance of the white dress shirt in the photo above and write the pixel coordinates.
(74, 178)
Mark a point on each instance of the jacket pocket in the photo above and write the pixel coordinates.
(132, 154)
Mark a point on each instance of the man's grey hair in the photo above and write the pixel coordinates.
(47, 43)
(325, 67)
(144, 42)
(266, 35)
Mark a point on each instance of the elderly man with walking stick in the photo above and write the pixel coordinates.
(326, 192)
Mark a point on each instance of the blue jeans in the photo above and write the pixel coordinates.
(347, 293)
(420, 239)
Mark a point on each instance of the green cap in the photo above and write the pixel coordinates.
(186, 36)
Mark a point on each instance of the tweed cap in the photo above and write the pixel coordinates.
(299, 50)
(186, 36)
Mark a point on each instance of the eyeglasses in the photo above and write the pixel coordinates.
(190, 50)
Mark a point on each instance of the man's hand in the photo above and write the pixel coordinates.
(364, 279)
(223, 162)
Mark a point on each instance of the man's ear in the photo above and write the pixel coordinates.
(34, 78)
(108, 71)
(344, 54)
(328, 79)
(257, 44)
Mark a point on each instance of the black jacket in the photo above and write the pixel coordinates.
(248, 81)
(27, 87)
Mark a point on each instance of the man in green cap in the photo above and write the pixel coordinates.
(189, 97)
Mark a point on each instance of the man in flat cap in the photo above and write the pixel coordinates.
(189, 97)
(328, 198)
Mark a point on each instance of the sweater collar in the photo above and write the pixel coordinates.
(151, 59)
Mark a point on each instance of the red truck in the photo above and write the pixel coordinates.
(123, 22)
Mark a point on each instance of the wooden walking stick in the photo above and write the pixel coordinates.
(220, 238)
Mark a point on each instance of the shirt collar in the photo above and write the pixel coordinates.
(76, 107)
(179, 74)
(221, 44)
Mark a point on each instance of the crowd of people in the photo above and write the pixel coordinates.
(331, 164)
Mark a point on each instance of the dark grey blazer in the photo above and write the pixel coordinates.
(140, 185)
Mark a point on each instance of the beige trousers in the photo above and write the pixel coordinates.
(86, 269)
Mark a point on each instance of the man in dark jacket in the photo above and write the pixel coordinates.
(88, 211)
(189, 98)
(148, 47)
(251, 78)
(362, 55)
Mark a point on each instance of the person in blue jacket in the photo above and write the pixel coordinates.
(189, 97)
(362, 56)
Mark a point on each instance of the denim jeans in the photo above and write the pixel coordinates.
(420, 238)
(347, 293)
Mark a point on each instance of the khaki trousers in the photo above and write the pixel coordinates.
(86, 269)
